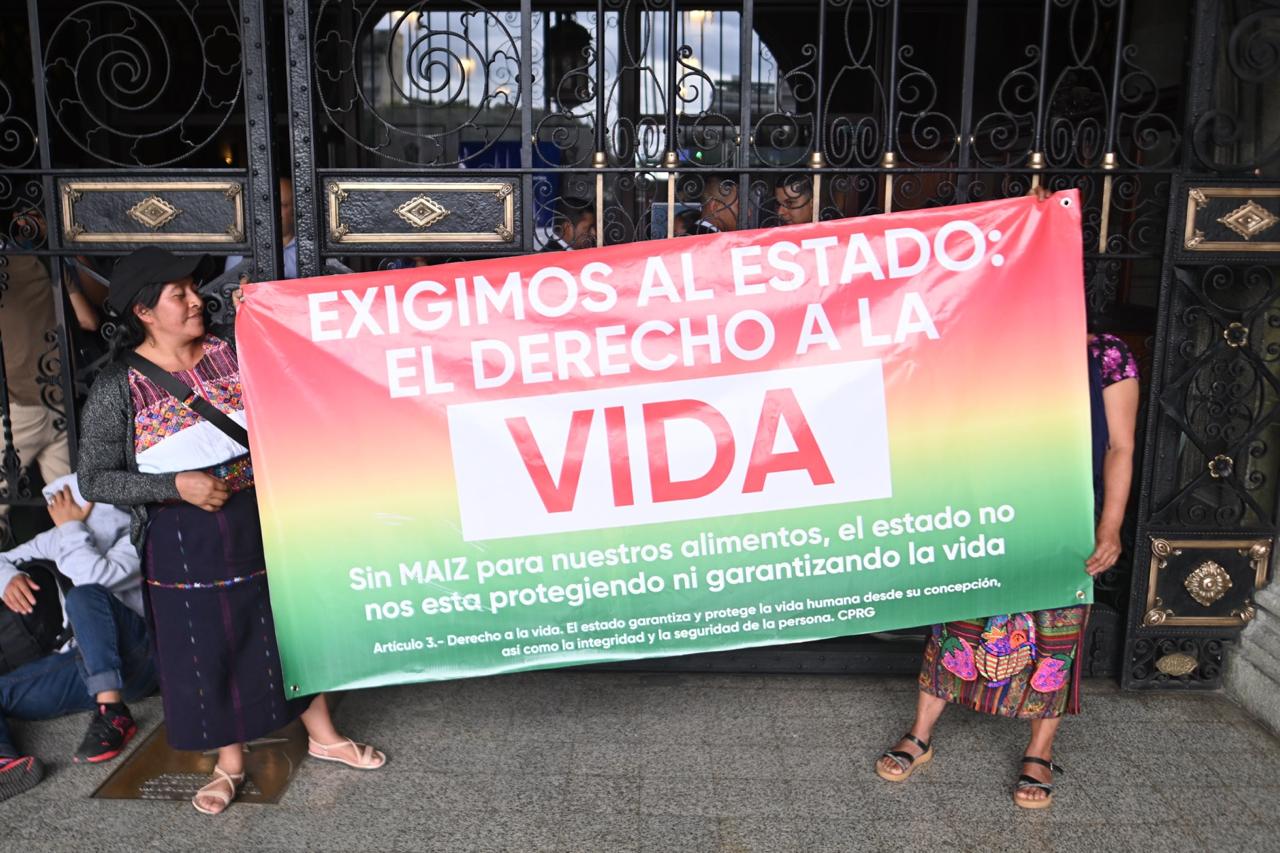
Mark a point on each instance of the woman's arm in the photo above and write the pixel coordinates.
(103, 465)
(86, 314)
(1120, 404)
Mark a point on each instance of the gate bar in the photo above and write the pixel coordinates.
(526, 120)
(671, 160)
(262, 187)
(1109, 158)
(965, 139)
(601, 159)
(890, 158)
(816, 160)
(746, 29)
(1036, 160)
(297, 52)
(53, 238)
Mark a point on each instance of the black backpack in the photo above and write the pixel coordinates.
(25, 637)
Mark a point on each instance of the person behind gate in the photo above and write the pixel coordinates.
(162, 432)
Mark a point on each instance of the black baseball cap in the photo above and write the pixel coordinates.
(148, 265)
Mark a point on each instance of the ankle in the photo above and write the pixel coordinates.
(231, 759)
(922, 732)
(329, 738)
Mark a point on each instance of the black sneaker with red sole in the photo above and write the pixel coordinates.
(108, 734)
(19, 774)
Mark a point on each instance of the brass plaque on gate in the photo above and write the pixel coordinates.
(1232, 219)
(412, 213)
(1205, 583)
(152, 212)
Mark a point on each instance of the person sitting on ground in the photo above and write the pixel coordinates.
(108, 661)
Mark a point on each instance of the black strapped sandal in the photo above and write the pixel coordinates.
(905, 760)
(1025, 781)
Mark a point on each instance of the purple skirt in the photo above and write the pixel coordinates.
(210, 617)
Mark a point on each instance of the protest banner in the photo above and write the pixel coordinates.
(674, 446)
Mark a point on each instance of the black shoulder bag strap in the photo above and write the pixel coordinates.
(188, 398)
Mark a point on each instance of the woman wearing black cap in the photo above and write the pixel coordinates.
(189, 481)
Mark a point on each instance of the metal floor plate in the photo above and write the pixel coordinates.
(155, 771)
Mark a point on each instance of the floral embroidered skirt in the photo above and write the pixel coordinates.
(1024, 665)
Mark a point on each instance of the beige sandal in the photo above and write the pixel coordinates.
(905, 760)
(367, 758)
(217, 789)
(1026, 782)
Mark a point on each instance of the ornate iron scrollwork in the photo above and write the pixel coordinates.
(1220, 134)
(22, 224)
(131, 58)
(1219, 400)
(19, 148)
(462, 64)
(1188, 662)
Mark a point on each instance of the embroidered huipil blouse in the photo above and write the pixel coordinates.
(169, 437)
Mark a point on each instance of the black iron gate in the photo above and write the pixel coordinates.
(417, 132)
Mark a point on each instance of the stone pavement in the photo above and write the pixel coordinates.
(622, 761)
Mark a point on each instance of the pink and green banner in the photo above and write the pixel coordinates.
(670, 447)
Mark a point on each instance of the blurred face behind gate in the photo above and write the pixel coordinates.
(794, 205)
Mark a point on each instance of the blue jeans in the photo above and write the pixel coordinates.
(112, 653)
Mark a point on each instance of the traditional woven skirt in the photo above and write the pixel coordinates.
(210, 616)
(1025, 665)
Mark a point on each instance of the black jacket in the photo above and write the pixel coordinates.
(555, 244)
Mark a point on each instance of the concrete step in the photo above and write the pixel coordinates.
(1253, 689)
(1268, 599)
(1267, 624)
(1262, 650)
(1252, 675)
(1266, 620)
